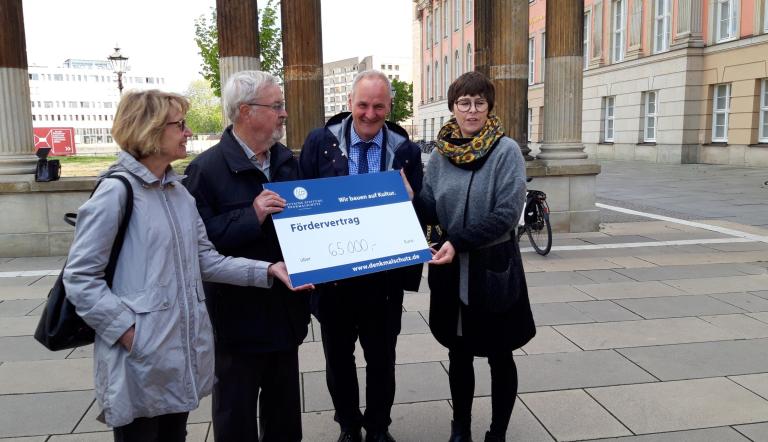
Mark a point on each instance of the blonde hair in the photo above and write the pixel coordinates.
(140, 120)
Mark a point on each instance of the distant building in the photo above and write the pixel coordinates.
(82, 94)
(683, 81)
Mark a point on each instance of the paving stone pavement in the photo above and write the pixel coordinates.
(634, 344)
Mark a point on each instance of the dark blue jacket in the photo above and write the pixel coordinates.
(224, 183)
(325, 154)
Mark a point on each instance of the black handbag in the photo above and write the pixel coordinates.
(60, 327)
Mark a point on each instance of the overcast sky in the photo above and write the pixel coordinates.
(158, 35)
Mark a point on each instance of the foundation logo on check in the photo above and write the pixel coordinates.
(300, 193)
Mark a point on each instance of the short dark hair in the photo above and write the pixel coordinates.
(471, 83)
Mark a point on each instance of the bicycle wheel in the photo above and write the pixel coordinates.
(540, 232)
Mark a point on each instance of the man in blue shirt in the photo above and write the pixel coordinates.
(368, 307)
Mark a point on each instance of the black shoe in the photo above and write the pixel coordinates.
(379, 436)
(460, 433)
(493, 438)
(350, 436)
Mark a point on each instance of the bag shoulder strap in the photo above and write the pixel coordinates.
(118, 245)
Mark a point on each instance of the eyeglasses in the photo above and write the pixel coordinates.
(277, 107)
(466, 105)
(182, 124)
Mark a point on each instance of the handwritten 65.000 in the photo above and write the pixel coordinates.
(353, 246)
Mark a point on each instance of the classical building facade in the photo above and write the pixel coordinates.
(81, 94)
(668, 81)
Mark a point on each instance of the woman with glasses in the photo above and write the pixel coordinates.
(474, 189)
(153, 353)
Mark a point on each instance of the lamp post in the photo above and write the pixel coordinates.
(119, 62)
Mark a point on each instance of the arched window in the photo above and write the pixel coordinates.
(437, 79)
(428, 89)
(457, 64)
(469, 57)
(447, 73)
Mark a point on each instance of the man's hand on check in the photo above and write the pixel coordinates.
(267, 203)
(279, 271)
(444, 255)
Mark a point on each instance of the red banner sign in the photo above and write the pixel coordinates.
(61, 140)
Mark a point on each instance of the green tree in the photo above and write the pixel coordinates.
(270, 42)
(204, 114)
(402, 104)
(207, 39)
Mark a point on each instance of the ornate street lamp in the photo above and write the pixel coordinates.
(119, 62)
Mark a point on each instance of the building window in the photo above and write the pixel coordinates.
(457, 14)
(457, 64)
(429, 31)
(585, 44)
(468, 12)
(720, 109)
(437, 25)
(531, 57)
(543, 54)
(446, 20)
(763, 135)
(726, 19)
(424, 130)
(432, 129)
(447, 74)
(619, 25)
(428, 94)
(437, 80)
(765, 16)
(608, 118)
(662, 25)
(650, 107)
(469, 57)
(529, 131)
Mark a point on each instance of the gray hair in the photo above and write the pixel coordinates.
(372, 74)
(242, 87)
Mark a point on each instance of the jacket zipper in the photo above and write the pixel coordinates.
(184, 294)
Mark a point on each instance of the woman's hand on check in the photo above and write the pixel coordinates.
(279, 271)
(443, 256)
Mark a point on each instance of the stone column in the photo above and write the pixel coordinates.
(688, 32)
(501, 52)
(238, 25)
(303, 62)
(16, 137)
(563, 82)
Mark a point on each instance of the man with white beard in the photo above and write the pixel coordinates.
(257, 331)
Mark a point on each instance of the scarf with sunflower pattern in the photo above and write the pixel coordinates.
(462, 151)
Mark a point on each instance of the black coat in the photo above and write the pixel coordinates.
(322, 157)
(498, 316)
(224, 183)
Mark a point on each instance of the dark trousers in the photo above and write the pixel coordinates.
(251, 384)
(461, 377)
(375, 320)
(163, 428)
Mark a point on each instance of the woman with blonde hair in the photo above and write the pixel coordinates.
(153, 353)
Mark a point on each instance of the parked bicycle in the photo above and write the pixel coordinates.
(535, 221)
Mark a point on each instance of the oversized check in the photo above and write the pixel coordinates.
(336, 228)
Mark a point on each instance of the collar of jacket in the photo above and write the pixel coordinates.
(238, 162)
(127, 162)
(394, 135)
